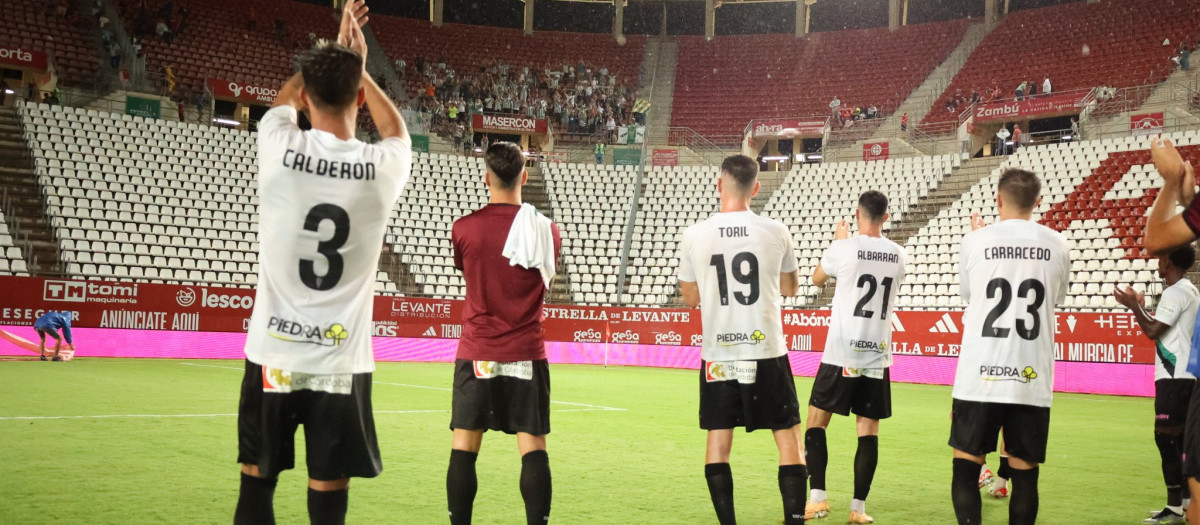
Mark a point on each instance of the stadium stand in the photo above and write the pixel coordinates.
(421, 226)
(1035, 43)
(466, 47)
(218, 43)
(11, 262)
(591, 206)
(761, 76)
(69, 41)
(1089, 189)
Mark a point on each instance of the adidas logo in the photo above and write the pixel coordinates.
(897, 326)
(430, 333)
(945, 325)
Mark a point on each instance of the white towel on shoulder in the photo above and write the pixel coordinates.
(530, 242)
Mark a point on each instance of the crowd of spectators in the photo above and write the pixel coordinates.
(580, 101)
(845, 116)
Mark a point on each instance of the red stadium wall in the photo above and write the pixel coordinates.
(1097, 352)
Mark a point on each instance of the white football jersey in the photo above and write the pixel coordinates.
(869, 272)
(736, 260)
(323, 208)
(1013, 274)
(1177, 309)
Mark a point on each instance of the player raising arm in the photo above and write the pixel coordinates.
(1171, 329)
(325, 200)
(854, 374)
(1013, 273)
(736, 266)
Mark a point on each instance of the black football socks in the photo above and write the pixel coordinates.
(461, 485)
(816, 452)
(964, 491)
(536, 487)
(327, 507)
(720, 489)
(1023, 508)
(255, 504)
(1172, 468)
(865, 461)
(792, 481)
(1005, 471)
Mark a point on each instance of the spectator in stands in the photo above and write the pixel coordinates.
(1002, 141)
(599, 149)
(611, 127)
(1021, 91)
(114, 55)
(834, 105)
(62, 8)
(872, 112)
(1185, 57)
(459, 130)
(179, 22)
(485, 142)
(1017, 136)
(1033, 89)
(280, 31)
(179, 108)
(975, 98)
(1046, 87)
(31, 92)
(123, 76)
(163, 31)
(400, 66)
(904, 122)
(1076, 134)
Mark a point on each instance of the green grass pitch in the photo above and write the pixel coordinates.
(642, 463)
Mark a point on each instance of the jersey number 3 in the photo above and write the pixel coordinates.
(327, 248)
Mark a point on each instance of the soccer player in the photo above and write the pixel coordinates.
(325, 201)
(736, 266)
(1013, 273)
(501, 378)
(1166, 231)
(1171, 328)
(853, 376)
(48, 325)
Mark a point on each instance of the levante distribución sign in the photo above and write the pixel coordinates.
(1086, 337)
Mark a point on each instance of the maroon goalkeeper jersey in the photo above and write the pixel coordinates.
(502, 314)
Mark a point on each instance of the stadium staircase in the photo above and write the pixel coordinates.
(22, 198)
(661, 55)
(535, 193)
(918, 104)
(397, 271)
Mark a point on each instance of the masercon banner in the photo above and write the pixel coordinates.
(1080, 337)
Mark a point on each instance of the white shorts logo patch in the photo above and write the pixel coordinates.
(490, 369)
(873, 373)
(281, 382)
(744, 372)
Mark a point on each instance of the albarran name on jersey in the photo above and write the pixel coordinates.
(865, 255)
(328, 168)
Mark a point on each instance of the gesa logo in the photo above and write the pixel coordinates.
(588, 336)
(1007, 373)
(668, 338)
(627, 336)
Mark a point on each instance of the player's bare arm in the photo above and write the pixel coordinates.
(1187, 188)
(1166, 229)
(841, 232)
(690, 292)
(387, 118)
(789, 283)
(1135, 301)
(976, 222)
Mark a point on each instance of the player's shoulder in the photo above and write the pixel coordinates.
(1185, 288)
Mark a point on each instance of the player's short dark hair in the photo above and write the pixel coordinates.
(332, 74)
(873, 204)
(743, 169)
(1183, 258)
(1022, 188)
(506, 161)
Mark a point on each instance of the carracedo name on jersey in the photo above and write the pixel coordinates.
(868, 346)
(589, 336)
(1007, 373)
(800, 319)
(628, 336)
(281, 382)
(328, 168)
(668, 338)
(744, 372)
(740, 338)
(293, 332)
(490, 369)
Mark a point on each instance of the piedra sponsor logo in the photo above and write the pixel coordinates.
(80, 292)
(628, 336)
(589, 336)
(868, 346)
(294, 332)
(1007, 373)
(740, 338)
(668, 338)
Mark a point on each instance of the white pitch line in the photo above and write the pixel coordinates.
(444, 389)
